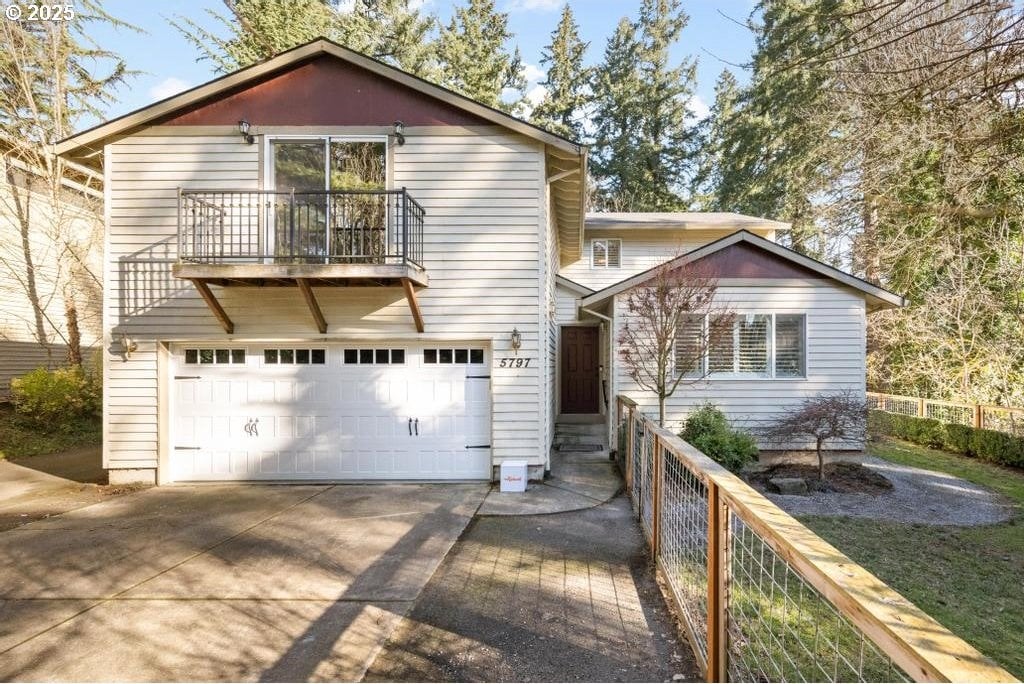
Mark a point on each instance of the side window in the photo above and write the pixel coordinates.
(606, 253)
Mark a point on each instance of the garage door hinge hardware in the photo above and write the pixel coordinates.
(186, 377)
(178, 448)
(478, 446)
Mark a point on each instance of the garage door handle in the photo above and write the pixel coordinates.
(417, 424)
(410, 427)
(478, 446)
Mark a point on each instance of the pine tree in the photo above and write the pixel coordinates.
(390, 30)
(643, 143)
(474, 60)
(561, 110)
(713, 137)
(615, 164)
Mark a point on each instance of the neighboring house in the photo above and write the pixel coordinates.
(375, 278)
(49, 257)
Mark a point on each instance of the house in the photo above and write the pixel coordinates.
(50, 261)
(322, 268)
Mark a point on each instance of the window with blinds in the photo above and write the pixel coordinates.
(757, 346)
(689, 346)
(789, 345)
(606, 253)
(751, 333)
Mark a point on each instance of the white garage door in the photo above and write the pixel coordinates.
(331, 412)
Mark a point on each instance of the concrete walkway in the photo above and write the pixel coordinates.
(577, 481)
(232, 583)
(551, 598)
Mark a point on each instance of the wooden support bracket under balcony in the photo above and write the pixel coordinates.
(414, 305)
(314, 306)
(215, 307)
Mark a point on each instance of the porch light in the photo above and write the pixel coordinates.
(400, 133)
(517, 340)
(243, 128)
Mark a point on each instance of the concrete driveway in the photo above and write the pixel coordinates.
(222, 582)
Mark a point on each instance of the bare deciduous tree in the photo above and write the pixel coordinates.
(823, 418)
(672, 321)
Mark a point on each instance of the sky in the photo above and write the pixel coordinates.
(168, 63)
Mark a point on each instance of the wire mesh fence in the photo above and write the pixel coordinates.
(1006, 419)
(759, 596)
(684, 548)
(782, 629)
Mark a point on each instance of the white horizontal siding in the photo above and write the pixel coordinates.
(482, 251)
(641, 250)
(835, 357)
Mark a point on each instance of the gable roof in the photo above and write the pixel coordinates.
(573, 285)
(880, 298)
(320, 46)
(566, 160)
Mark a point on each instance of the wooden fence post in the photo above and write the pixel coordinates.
(630, 437)
(657, 466)
(718, 587)
(921, 411)
(979, 416)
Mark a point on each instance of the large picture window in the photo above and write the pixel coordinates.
(757, 346)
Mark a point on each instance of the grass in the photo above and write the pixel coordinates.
(19, 438)
(970, 579)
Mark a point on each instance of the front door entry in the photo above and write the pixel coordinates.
(579, 369)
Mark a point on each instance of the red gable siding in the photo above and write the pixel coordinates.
(325, 91)
(744, 260)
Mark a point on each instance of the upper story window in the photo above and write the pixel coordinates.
(753, 346)
(318, 164)
(606, 253)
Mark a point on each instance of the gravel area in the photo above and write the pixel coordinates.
(923, 497)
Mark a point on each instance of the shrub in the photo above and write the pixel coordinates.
(56, 399)
(958, 438)
(708, 429)
(988, 445)
(997, 447)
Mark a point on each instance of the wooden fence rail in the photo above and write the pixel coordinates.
(760, 596)
(1009, 419)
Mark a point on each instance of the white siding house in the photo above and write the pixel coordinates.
(322, 268)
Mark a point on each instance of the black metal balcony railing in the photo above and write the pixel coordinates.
(274, 226)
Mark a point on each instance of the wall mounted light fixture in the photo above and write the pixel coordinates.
(517, 340)
(243, 128)
(128, 345)
(400, 133)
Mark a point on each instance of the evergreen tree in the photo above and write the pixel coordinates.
(614, 163)
(643, 142)
(713, 136)
(474, 60)
(561, 110)
(393, 31)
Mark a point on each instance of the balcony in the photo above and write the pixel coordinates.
(273, 238)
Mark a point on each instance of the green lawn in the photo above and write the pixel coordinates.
(18, 438)
(969, 579)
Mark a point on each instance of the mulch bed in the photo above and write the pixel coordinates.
(844, 478)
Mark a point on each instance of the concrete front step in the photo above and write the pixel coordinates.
(571, 429)
(580, 439)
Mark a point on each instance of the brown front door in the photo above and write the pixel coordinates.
(579, 368)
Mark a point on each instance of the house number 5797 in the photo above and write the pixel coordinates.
(513, 362)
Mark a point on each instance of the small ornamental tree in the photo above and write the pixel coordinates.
(672, 321)
(823, 418)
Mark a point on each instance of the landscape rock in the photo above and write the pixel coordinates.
(788, 485)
